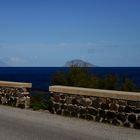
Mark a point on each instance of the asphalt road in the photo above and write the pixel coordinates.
(18, 124)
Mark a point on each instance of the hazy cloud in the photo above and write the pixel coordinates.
(12, 61)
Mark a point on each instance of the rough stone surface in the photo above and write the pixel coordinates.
(107, 110)
(132, 118)
(17, 97)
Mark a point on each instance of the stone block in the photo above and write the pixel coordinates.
(127, 124)
(114, 107)
(59, 112)
(63, 106)
(96, 104)
(132, 118)
(102, 113)
(92, 111)
(66, 113)
(105, 121)
(128, 109)
(74, 114)
(137, 125)
(98, 118)
(132, 103)
(121, 108)
(62, 96)
(56, 98)
(122, 102)
(83, 111)
(115, 122)
(105, 106)
(89, 117)
(82, 116)
(110, 115)
(68, 100)
(121, 117)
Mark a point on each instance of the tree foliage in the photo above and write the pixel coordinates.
(81, 77)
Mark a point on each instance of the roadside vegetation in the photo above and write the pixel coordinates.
(81, 77)
(40, 101)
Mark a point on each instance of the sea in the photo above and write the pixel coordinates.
(40, 77)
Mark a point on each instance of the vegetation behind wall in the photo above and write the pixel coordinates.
(81, 77)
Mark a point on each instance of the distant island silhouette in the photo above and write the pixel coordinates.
(79, 63)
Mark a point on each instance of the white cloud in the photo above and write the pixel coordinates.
(13, 61)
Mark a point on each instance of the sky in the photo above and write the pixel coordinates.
(52, 32)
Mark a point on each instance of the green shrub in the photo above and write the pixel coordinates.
(80, 77)
(128, 85)
(59, 79)
(38, 101)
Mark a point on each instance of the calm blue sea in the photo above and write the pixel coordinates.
(40, 77)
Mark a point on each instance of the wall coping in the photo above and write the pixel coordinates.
(15, 84)
(133, 96)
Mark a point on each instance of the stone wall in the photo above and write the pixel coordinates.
(114, 107)
(14, 94)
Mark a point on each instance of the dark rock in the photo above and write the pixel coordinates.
(97, 118)
(108, 100)
(83, 111)
(138, 119)
(132, 103)
(82, 116)
(122, 102)
(71, 107)
(56, 98)
(121, 109)
(138, 104)
(105, 106)
(102, 113)
(128, 109)
(89, 117)
(66, 113)
(21, 106)
(74, 114)
(62, 96)
(68, 100)
(110, 115)
(121, 117)
(59, 112)
(92, 111)
(113, 107)
(136, 110)
(52, 110)
(105, 121)
(127, 124)
(77, 108)
(132, 118)
(74, 101)
(116, 122)
(63, 106)
(56, 106)
(102, 100)
(137, 125)
(96, 104)
(62, 101)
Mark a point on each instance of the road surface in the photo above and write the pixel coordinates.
(18, 124)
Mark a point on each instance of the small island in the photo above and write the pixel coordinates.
(78, 63)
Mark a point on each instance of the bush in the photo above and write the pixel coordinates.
(128, 85)
(38, 101)
(81, 77)
(77, 76)
(59, 79)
